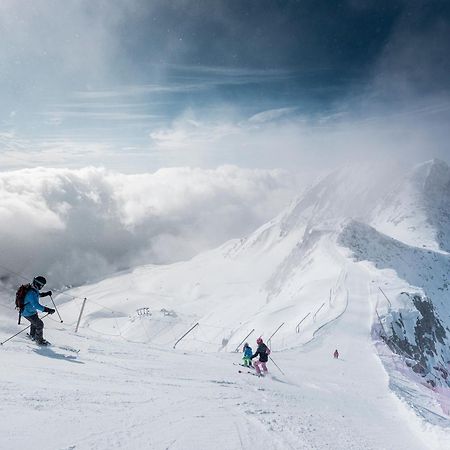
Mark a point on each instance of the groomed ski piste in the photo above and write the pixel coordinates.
(312, 276)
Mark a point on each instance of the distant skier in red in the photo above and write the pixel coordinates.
(263, 352)
(336, 354)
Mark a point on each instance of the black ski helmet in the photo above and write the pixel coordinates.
(39, 282)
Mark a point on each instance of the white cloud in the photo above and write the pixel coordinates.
(190, 132)
(57, 117)
(287, 139)
(271, 114)
(78, 225)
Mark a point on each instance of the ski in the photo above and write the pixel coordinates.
(251, 373)
(58, 347)
(67, 348)
(242, 365)
(61, 347)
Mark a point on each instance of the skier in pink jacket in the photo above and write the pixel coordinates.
(263, 352)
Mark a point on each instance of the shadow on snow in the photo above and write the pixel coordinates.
(50, 353)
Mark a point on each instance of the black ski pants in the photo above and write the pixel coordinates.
(37, 327)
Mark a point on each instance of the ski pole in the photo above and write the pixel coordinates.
(21, 331)
(276, 365)
(56, 309)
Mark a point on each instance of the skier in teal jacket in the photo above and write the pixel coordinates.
(32, 306)
(247, 357)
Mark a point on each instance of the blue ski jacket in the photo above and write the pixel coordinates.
(248, 352)
(31, 303)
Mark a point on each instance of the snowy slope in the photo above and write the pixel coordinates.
(417, 211)
(312, 275)
(114, 395)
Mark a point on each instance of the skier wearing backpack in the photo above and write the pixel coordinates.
(31, 306)
(247, 357)
(263, 352)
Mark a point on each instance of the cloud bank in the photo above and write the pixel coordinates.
(78, 225)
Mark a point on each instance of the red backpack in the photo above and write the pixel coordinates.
(20, 296)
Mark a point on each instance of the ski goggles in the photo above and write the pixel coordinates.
(38, 284)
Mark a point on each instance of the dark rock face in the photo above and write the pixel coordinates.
(417, 330)
(425, 347)
(429, 329)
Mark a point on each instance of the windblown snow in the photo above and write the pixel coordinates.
(358, 263)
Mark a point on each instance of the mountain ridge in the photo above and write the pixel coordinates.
(303, 275)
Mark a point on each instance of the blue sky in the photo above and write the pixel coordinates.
(139, 85)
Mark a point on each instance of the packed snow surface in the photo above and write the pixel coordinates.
(117, 394)
(309, 283)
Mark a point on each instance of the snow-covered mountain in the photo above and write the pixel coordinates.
(393, 227)
(417, 211)
(297, 258)
(358, 263)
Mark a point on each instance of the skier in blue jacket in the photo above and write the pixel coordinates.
(247, 357)
(32, 306)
